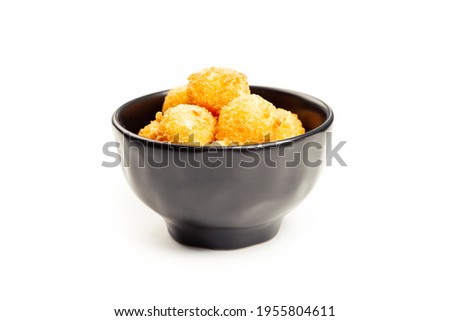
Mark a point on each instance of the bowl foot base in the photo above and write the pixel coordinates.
(222, 238)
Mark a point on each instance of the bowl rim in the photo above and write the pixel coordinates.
(324, 126)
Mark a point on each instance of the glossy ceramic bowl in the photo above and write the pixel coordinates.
(223, 197)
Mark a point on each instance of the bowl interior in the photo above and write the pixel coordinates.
(139, 112)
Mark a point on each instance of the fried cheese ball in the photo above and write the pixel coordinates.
(214, 87)
(151, 130)
(247, 119)
(288, 124)
(175, 96)
(187, 124)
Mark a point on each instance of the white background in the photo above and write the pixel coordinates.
(372, 239)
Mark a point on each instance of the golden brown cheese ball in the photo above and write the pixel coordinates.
(288, 124)
(247, 119)
(214, 87)
(187, 124)
(151, 130)
(176, 96)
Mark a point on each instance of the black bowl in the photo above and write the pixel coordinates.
(223, 197)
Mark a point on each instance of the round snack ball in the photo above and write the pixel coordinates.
(175, 96)
(246, 119)
(151, 130)
(187, 124)
(288, 124)
(214, 87)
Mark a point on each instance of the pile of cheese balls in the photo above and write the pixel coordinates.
(216, 107)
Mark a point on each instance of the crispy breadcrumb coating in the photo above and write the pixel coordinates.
(214, 87)
(187, 124)
(288, 125)
(221, 143)
(247, 119)
(151, 130)
(188, 113)
(176, 96)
